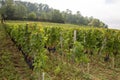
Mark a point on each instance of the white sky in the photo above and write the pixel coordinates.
(107, 11)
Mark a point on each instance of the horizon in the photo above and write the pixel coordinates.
(105, 10)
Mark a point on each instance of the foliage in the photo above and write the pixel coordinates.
(78, 53)
(57, 70)
(34, 39)
(57, 16)
(32, 15)
(8, 9)
(20, 11)
(42, 12)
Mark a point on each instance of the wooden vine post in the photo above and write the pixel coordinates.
(113, 63)
(61, 45)
(39, 75)
(84, 39)
(43, 76)
(103, 45)
(74, 39)
(75, 35)
(27, 36)
(88, 64)
(88, 68)
(61, 42)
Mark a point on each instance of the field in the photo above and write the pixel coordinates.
(58, 51)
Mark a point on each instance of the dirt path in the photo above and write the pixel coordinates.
(12, 64)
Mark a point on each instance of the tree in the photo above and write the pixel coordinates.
(68, 16)
(57, 16)
(7, 9)
(95, 23)
(32, 7)
(32, 16)
(20, 11)
(11, 9)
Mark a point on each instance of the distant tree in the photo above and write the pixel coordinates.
(20, 11)
(86, 21)
(32, 7)
(105, 26)
(9, 9)
(95, 22)
(57, 16)
(69, 16)
(2, 11)
(2, 18)
(32, 16)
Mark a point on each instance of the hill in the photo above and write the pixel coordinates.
(41, 42)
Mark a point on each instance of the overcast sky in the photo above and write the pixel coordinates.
(107, 11)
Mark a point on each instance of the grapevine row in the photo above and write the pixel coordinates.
(36, 41)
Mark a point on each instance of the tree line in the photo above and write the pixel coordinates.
(20, 10)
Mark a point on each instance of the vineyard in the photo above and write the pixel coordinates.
(66, 53)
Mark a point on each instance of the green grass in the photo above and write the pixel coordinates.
(45, 24)
(9, 68)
